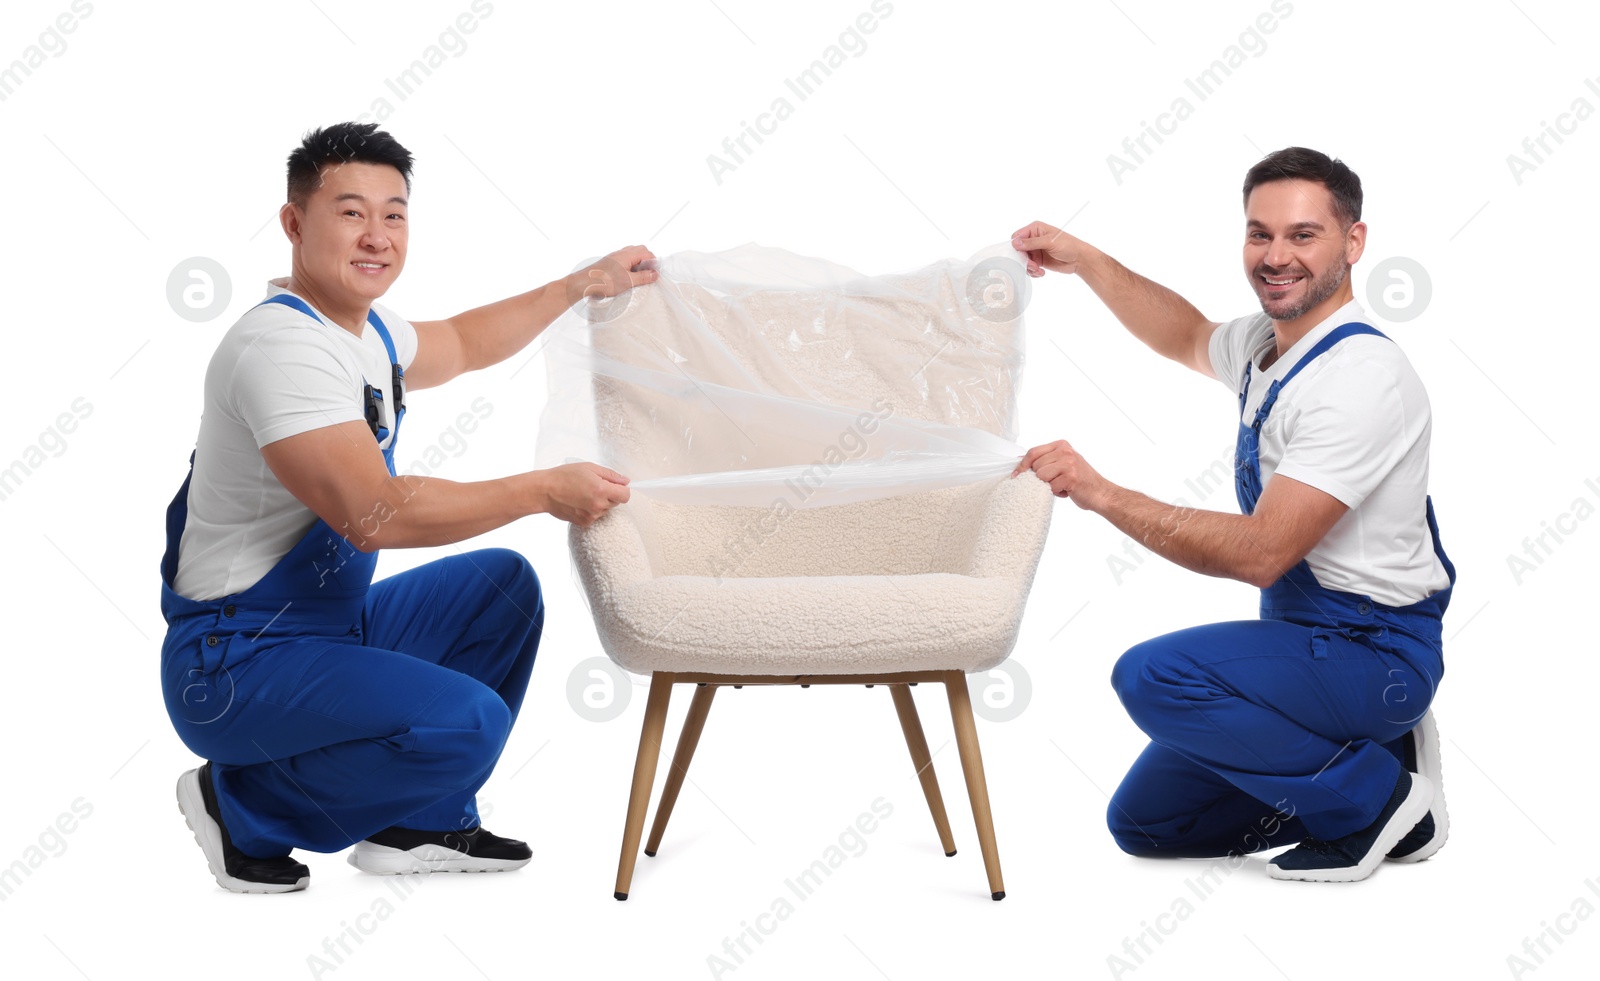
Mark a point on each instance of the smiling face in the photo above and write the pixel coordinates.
(350, 234)
(1296, 253)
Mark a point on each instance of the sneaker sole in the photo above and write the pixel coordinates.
(383, 860)
(1426, 735)
(191, 804)
(1405, 818)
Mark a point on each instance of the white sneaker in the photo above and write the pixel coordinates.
(402, 851)
(1422, 757)
(233, 869)
(1355, 856)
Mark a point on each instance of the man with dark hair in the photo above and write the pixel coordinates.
(1311, 724)
(333, 711)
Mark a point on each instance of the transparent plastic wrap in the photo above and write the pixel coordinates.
(751, 375)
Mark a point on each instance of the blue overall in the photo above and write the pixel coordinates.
(333, 707)
(1265, 731)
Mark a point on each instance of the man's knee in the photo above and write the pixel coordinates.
(1126, 832)
(1145, 673)
(494, 724)
(474, 734)
(510, 570)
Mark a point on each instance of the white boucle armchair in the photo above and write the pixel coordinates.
(921, 587)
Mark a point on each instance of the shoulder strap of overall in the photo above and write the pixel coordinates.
(177, 517)
(1333, 337)
(295, 303)
(383, 334)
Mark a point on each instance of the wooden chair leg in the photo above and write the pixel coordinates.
(687, 741)
(644, 777)
(977, 788)
(911, 725)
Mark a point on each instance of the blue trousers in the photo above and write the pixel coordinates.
(1263, 731)
(320, 740)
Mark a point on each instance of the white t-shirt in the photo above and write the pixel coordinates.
(1355, 424)
(275, 374)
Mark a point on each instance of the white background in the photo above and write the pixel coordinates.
(563, 131)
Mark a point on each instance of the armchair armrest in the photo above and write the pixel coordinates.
(1014, 521)
(611, 554)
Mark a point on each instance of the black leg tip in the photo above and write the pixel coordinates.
(650, 853)
(622, 896)
(994, 896)
(949, 853)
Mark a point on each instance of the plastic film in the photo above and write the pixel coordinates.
(752, 375)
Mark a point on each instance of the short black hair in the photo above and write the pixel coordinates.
(1299, 163)
(343, 143)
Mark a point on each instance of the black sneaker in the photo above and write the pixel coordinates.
(233, 869)
(1422, 756)
(1354, 856)
(397, 851)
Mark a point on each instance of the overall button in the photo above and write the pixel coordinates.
(1364, 608)
(229, 610)
(211, 641)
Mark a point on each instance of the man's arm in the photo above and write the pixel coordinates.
(489, 334)
(338, 472)
(1163, 320)
(1289, 520)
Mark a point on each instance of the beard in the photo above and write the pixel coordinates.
(1317, 289)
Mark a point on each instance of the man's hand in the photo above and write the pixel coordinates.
(1067, 473)
(615, 273)
(1048, 247)
(582, 492)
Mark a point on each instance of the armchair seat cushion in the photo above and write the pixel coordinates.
(815, 624)
(832, 590)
